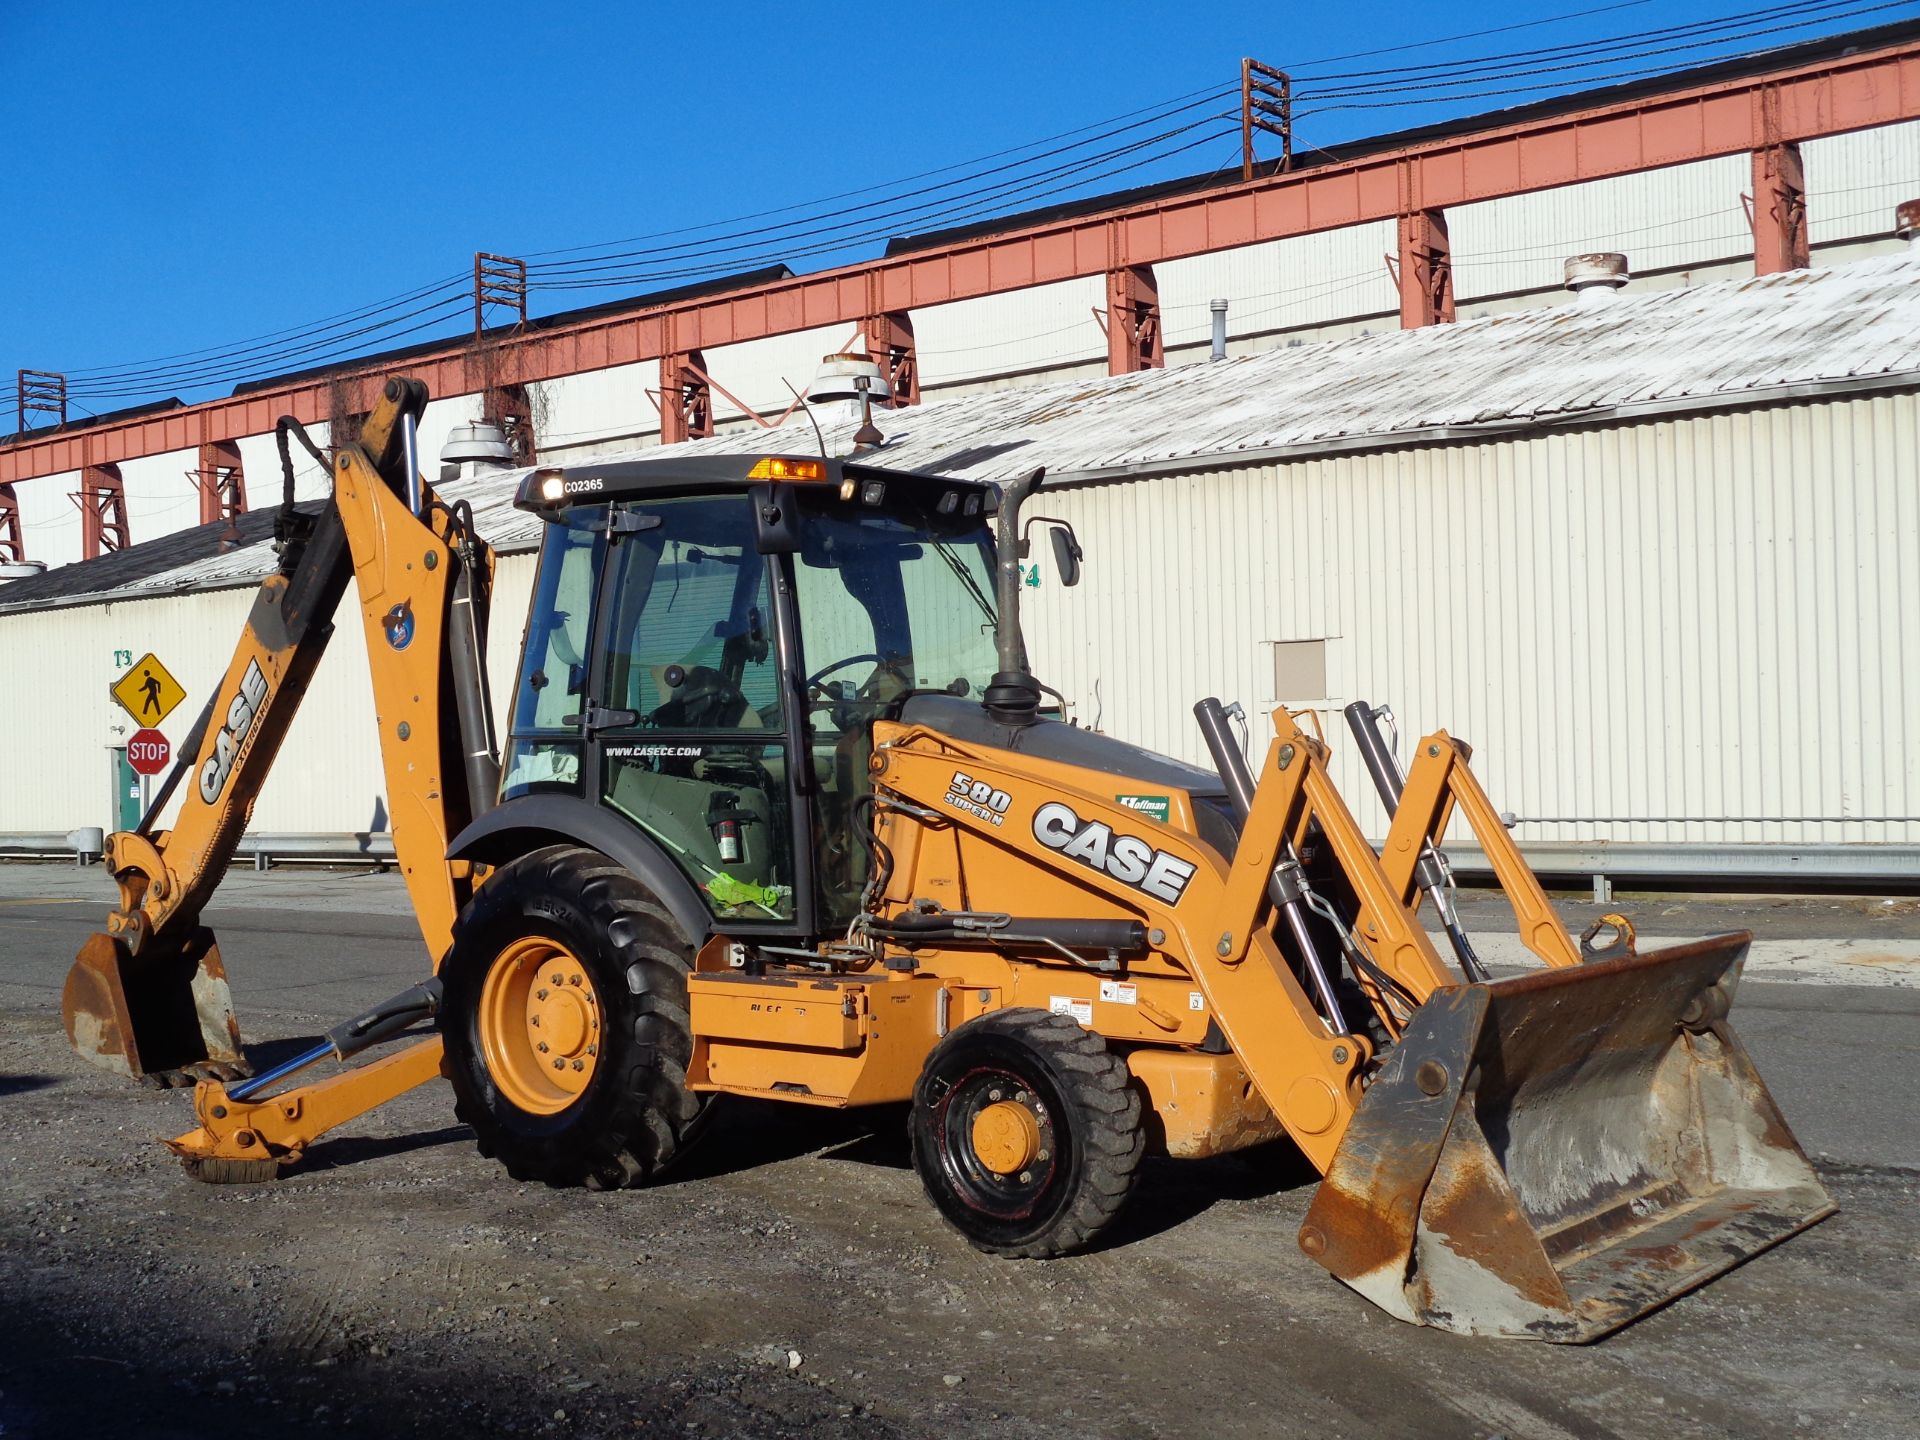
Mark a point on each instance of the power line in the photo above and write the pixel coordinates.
(969, 191)
(1740, 21)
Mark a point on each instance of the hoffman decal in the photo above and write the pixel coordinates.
(1127, 858)
(241, 714)
(1156, 807)
(977, 798)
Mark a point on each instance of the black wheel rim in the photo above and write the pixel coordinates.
(1002, 1198)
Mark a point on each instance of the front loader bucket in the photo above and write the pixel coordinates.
(1551, 1156)
(165, 1016)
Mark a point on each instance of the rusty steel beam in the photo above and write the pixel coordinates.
(1727, 117)
(221, 482)
(13, 540)
(1424, 270)
(890, 345)
(511, 408)
(686, 398)
(102, 502)
(1134, 340)
(1780, 240)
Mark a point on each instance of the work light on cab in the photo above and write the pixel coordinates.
(778, 467)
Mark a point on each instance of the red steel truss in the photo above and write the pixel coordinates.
(1752, 114)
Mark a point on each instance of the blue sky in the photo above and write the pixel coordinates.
(192, 175)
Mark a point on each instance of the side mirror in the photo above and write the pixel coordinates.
(1066, 554)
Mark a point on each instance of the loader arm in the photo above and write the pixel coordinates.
(1439, 785)
(148, 995)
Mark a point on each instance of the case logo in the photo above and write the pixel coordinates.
(1127, 858)
(241, 714)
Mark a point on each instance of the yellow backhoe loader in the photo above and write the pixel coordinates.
(782, 812)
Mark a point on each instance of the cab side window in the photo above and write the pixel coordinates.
(690, 641)
(553, 670)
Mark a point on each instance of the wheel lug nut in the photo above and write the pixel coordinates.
(541, 1047)
(1021, 1096)
(579, 1064)
(539, 994)
(593, 1049)
(993, 1094)
(573, 979)
(533, 1020)
(1025, 1176)
(558, 1063)
(1043, 1155)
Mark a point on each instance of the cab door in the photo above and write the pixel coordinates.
(687, 731)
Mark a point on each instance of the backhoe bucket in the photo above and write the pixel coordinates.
(166, 1017)
(1551, 1156)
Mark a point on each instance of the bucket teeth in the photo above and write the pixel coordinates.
(1551, 1156)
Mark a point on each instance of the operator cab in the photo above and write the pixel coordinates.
(710, 641)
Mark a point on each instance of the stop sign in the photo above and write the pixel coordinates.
(149, 752)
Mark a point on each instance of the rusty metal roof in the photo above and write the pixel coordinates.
(1848, 328)
(1713, 346)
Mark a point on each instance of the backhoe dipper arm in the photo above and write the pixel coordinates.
(148, 996)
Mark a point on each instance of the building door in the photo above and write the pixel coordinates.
(126, 792)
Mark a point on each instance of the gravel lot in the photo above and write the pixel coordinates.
(791, 1279)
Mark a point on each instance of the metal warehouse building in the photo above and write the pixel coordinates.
(1656, 555)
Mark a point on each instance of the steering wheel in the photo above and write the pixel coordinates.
(826, 670)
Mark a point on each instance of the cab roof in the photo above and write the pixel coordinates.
(589, 482)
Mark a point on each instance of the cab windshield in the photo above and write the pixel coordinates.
(894, 596)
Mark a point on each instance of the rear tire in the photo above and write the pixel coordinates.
(1026, 1133)
(618, 1110)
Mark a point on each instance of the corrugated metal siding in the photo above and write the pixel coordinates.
(1709, 617)
(1681, 215)
(59, 722)
(49, 523)
(1855, 180)
(1284, 284)
(1048, 325)
(1704, 618)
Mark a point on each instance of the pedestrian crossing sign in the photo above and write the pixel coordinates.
(148, 692)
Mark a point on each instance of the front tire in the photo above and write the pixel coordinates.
(566, 1024)
(1026, 1133)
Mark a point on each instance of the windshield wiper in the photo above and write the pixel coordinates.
(955, 564)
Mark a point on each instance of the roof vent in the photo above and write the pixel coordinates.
(1906, 222)
(1594, 278)
(21, 569)
(853, 378)
(481, 442)
(848, 377)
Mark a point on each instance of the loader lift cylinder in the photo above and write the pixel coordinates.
(1286, 887)
(1363, 720)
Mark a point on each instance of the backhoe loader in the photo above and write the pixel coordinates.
(781, 811)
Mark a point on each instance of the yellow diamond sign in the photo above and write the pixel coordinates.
(148, 692)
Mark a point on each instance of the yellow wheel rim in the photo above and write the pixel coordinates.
(539, 1025)
(1006, 1136)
